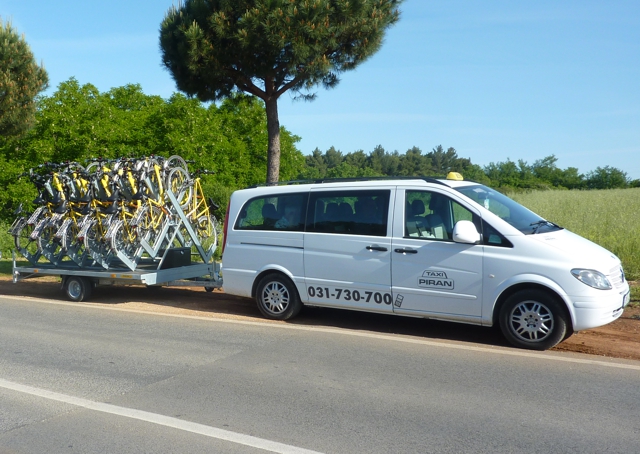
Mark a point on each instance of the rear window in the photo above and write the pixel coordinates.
(273, 212)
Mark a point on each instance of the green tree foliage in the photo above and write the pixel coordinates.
(544, 174)
(77, 123)
(21, 79)
(508, 176)
(384, 163)
(545, 170)
(414, 163)
(266, 47)
(607, 178)
(442, 162)
(334, 164)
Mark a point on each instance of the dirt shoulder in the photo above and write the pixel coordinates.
(620, 339)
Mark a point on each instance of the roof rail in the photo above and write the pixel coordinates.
(349, 179)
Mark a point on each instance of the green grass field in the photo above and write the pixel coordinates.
(610, 218)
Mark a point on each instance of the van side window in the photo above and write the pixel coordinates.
(432, 215)
(362, 212)
(273, 212)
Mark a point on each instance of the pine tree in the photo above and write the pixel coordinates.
(21, 79)
(266, 47)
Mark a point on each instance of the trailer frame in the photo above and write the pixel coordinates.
(78, 283)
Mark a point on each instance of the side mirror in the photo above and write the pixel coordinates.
(466, 232)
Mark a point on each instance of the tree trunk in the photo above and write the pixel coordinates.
(273, 130)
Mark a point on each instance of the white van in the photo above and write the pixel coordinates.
(434, 248)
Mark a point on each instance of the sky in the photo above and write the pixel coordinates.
(496, 80)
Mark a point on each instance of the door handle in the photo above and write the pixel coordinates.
(406, 251)
(376, 248)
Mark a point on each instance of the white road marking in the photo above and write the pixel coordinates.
(550, 356)
(162, 420)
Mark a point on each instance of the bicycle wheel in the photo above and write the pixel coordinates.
(175, 161)
(92, 167)
(179, 184)
(91, 235)
(73, 246)
(64, 234)
(44, 234)
(47, 241)
(18, 223)
(76, 167)
(122, 240)
(206, 226)
(150, 217)
(206, 229)
(23, 242)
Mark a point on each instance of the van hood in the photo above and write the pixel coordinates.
(585, 253)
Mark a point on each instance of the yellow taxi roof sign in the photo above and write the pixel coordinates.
(454, 176)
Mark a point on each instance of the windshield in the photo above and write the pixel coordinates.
(509, 210)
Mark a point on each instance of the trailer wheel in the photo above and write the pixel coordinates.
(78, 288)
(208, 289)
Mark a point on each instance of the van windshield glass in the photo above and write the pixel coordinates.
(509, 210)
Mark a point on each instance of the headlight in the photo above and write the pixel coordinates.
(592, 278)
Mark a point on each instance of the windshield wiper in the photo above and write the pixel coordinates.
(536, 225)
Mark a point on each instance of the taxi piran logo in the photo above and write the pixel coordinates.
(435, 279)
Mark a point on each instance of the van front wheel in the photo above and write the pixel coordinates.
(533, 319)
(277, 297)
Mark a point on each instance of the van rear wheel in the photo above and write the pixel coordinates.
(277, 297)
(534, 320)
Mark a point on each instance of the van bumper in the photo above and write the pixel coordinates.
(238, 282)
(591, 312)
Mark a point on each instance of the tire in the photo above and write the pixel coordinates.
(176, 161)
(93, 167)
(78, 288)
(121, 242)
(24, 243)
(94, 242)
(117, 239)
(533, 319)
(205, 228)
(73, 247)
(277, 297)
(177, 183)
(67, 235)
(90, 234)
(47, 240)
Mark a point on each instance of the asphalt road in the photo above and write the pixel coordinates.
(80, 378)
